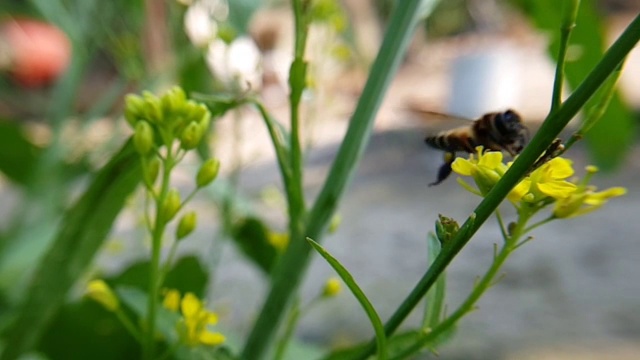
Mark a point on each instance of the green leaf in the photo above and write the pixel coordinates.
(85, 330)
(359, 294)
(82, 232)
(252, 237)
(18, 156)
(434, 311)
(187, 275)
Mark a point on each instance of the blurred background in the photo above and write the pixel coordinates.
(65, 66)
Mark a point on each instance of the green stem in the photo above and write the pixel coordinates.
(292, 322)
(154, 266)
(128, 325)
(549, 130)
(568, 23)
(290, 269)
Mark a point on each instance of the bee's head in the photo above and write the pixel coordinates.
(509, 122)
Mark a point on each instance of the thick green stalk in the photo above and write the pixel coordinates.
(549, 130)
(568, 23)
(289, 271)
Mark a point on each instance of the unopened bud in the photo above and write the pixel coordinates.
(186, 225)
(335, 222)
(133, 109)
(207, 173)
(143, 137)
(332, 287)
(191, 136)
(171, 205)
(173, 101)
(151, 169)
(153, 108)
(446, 229)
(99, 291)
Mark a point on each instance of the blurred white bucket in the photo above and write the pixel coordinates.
(484, 81)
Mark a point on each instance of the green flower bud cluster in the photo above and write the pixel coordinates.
(158, 121)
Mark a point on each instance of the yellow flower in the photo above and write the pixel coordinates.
(278, 240)
(332, 287)
(99, 291)
(585, 199)
(193, 327)
(171, 300)
(486, 170)
(548, 181)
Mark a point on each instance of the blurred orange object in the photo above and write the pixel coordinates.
(38, 52)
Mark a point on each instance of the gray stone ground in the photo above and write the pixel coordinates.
(572, 292)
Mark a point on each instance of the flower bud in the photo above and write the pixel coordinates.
(332, 287)
(171, 300)
(134, 108)
(99, 291)
(186, 225)
(143, 137)
(153, 108)
(151, 169)
(334, 224)
(196, 111)
(207, 173)
(191, 136)
(171, 205)
(446, 229)
(173, 101)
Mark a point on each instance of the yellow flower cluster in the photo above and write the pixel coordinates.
(193, 325)
(545, 185)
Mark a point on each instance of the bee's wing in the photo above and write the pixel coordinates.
(433, 116)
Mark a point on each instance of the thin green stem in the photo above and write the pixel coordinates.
(539, 223)
(503, 229)
(568, 23)
(549, 130)
(128, 325)
(154, 265)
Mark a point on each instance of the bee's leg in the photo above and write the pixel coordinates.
(445, 169)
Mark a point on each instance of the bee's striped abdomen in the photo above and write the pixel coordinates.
(453, 140)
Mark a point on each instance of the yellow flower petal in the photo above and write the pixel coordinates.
(557, 189)
(560, 168)
(520, 190)
(212, 318)
(190, 305)
(602, 196)
(99, 291)
(491, 160)
(211, 338)
(463, 167)
(171, 300)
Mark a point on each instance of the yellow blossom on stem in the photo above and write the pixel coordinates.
(585, 199)
(278, 240)
(193, 326)
(99, 291)
(550, 180)
(485, 170)
(171, 300)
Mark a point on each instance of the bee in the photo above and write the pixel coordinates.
(496, 131)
